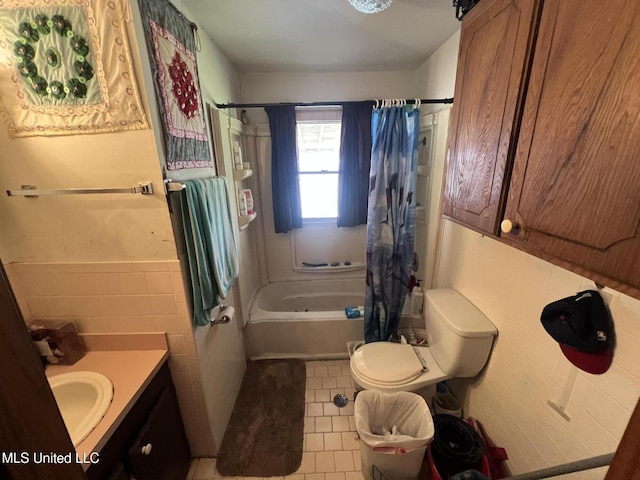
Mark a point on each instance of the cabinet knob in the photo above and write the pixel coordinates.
(146, 450)
(507, 226)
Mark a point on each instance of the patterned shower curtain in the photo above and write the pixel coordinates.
(390, 218)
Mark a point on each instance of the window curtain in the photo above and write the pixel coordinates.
(391, 218)
(355, 160)
(285, 189)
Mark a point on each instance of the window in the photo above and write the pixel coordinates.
(318, 138)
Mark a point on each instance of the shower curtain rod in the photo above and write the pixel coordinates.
(323, 104)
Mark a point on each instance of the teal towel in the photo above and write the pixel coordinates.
(211, 244)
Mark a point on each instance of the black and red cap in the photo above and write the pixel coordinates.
(581, 324)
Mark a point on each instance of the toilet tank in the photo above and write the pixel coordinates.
(459, 335)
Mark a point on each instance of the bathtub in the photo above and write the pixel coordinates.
(304, 319)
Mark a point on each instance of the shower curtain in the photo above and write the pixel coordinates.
(390, 218)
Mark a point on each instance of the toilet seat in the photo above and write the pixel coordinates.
(372, 361)
(394, 367)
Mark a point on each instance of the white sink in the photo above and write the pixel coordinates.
(83, 399)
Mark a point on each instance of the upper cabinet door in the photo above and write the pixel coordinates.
(575, 186)
(494, 54)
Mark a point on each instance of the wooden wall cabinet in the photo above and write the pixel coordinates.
(571, 186)
(494, 53)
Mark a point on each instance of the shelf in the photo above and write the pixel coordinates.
(241, 174)
(245, 220)
(329, 269)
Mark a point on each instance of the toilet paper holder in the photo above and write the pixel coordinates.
(224, 316)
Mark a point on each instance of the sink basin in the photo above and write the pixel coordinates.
(83, 399)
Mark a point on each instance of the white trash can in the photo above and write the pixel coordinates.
(397, 456)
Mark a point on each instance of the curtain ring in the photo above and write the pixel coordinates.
(375, 107)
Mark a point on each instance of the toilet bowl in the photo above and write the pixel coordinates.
(459, 339)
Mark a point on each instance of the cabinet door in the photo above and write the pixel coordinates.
(492, 65)
(575, 186)
(161, 451)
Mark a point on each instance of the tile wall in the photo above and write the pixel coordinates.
(527, 368)
(123, 297)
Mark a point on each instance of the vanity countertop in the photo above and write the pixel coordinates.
(130, 371)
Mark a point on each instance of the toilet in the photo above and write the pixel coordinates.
(459, 338)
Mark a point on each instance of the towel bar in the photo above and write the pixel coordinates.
(32, 191)
(171, 186)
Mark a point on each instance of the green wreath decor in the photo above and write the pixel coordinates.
(32, 32)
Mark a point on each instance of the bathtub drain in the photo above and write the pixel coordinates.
(340, 400)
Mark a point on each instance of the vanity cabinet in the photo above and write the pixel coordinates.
(150, 443)
(570, 189)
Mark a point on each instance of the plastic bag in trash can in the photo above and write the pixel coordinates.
(375, 411)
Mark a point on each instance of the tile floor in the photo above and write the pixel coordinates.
(331, 447)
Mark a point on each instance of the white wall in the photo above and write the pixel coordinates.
(526, 367)
(84, 227)
(278, 250)
(433, 78)
(310, 87)
(100, 228)
(322, 87)
(110, 262)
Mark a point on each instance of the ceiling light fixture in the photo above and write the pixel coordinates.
(370, 6)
